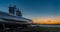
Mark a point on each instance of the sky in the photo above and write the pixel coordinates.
(48, 10)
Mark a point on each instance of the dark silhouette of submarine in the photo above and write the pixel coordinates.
(13, 18)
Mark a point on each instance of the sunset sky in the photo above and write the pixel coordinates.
(40, 11)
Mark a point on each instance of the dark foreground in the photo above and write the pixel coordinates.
(33, 29)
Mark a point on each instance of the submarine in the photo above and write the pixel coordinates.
(13, 18)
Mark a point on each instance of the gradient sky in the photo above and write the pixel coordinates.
(34, 8)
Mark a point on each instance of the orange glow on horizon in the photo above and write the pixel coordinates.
(47, 20)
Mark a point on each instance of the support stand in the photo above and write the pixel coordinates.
(3, 27)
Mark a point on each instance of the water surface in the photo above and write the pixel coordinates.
(47, 25)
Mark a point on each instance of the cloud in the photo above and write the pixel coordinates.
(47, 20)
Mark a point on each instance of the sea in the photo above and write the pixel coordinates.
(47, 25)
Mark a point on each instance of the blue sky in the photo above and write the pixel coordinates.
(33, 8)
